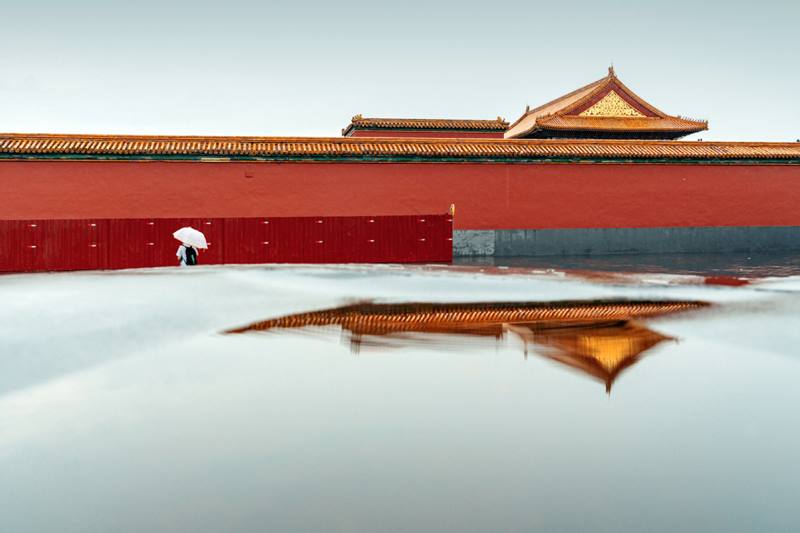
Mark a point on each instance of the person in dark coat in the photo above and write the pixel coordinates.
(187, 255)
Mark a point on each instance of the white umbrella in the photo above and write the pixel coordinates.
(189, 235)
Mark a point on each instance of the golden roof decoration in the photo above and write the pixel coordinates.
(611, 105)
(615, 110)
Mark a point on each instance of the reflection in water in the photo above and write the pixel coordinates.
(750, 265)
(596, 337)
(602, 351)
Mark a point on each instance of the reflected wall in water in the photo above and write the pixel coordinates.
(598, 338)
(751, 265)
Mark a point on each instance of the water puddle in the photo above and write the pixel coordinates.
(598, 338)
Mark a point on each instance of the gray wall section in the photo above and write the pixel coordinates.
(473, 242)
(605, 241)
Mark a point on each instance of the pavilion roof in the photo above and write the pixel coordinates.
(606, 105)
(596, 337)
(135, 147)
(371, 123)
(602, 352)
(477, 318)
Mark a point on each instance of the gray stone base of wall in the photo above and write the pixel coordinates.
(606, 241)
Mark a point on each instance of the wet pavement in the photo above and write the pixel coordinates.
(738, 264)
(398, 399)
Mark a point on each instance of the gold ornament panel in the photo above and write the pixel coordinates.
(611, 105)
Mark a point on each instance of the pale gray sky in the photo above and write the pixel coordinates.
(304, 68)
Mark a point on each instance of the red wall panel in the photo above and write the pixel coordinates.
(68, 245)
(17, 246)
(251, 236)
(133, 244)
(487, 195)
(78, 244)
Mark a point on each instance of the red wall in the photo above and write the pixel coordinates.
(487, 196)
(89, 244)
(429, 134)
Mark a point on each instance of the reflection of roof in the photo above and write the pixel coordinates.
(382, 319)
(602, 352)
(34, 146)
(605, 105)
(594, 337)
(359, 122)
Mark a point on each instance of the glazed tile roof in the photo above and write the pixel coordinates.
(561, 122)
(596, 337)
(474, 318)
(34, 146)
(604, 105)
(562, 102)
(359, 122)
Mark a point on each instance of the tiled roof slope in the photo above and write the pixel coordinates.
(569, 113)
(550, 108)
(359, 122)
(33, 146)
(559, 122)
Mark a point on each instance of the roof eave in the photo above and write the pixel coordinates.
(214, 149)
(689, 126)
(687, 131)
(435, 124)
(424, 128)
(523, 133)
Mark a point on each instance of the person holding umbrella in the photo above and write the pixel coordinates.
(187, 255)
(191, 240)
